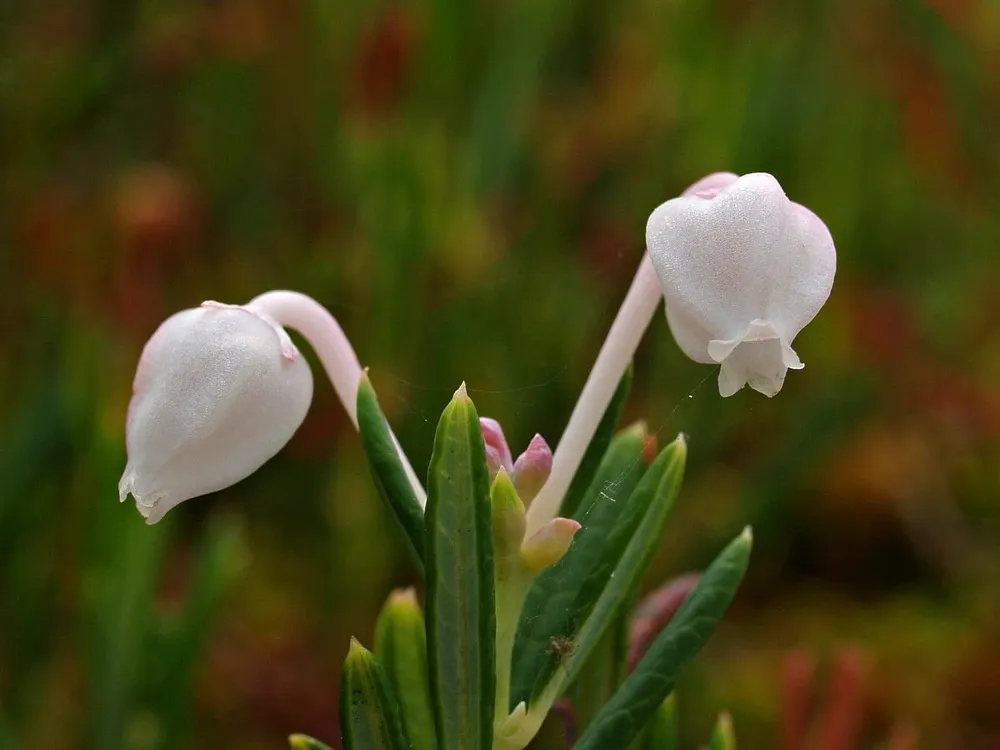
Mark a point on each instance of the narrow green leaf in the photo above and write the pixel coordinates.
(221, 556)
(653, 500)
(304, 742)
(624, 716)
(509, 86)
(369, 712)
(387, 470)
(603, 671)
(661, 734)
(591, 462)
(723, 737)
(562, 598)
(123, 613)
(461, 619)
(401, 649)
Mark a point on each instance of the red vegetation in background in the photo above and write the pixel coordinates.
(912, 75)
(975, 684)
(885, 335)
(610, 249)
(106, 223)
(655, 612)
(384, 60)
(838, 720)
(156, 219)
(276, 680)
(959, 14)
(238, 29)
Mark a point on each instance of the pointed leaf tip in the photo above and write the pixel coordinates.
(400, 649)
(388, 468)
(305, 742)
(639, 427)
(747, 534)
(459, 566)
(723, 737)
(406, 596)
(654, 678)
(510, 726)
(368, 707)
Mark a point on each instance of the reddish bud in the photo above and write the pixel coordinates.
(532, 468)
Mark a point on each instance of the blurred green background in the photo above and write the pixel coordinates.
(465, 186)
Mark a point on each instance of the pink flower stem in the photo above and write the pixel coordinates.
(327, 338)
(634, 317)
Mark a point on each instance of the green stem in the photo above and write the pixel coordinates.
(511, 591)
(512, 585)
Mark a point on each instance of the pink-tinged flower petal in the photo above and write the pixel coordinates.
(532, 468)
(712, 185)
(494, 462)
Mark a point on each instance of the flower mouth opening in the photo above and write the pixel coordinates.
(760, 358)
(151, 505)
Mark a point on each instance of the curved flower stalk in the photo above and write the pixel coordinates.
(742, 270)
(220, 389)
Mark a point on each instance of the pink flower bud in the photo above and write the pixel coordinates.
(549, 544)
(532, 468)
(218, 391)
(497, 451)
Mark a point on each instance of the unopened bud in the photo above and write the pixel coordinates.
(497, 451)
(532, 468)
(549, 544)
(508, 517)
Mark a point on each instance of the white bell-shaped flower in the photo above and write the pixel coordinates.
(218, 391)
(743, 270)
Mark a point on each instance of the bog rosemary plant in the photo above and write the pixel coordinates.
(531, 566)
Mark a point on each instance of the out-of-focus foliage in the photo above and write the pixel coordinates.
(465, 185)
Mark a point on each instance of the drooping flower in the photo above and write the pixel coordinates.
(218, 391)
(743, 270)
(221, 388)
